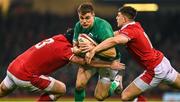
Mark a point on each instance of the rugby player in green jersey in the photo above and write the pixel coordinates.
(99, 30)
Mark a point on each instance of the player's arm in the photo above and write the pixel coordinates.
(116, 33)
(98, 64)
(75, 48)
(110, 42)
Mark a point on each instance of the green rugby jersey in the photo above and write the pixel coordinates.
(100, 31)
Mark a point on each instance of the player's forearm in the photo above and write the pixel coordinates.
(97, 63)
(81, 61)
(110, 42)
(77, 60)
(100, 64)
(116, 33)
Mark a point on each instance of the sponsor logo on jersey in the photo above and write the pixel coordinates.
(90, 35)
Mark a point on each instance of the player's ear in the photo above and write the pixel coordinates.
(126, 18)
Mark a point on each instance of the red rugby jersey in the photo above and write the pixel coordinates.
(43, 58)
(140, 46)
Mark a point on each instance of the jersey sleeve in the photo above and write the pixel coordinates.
(128, 33)
(105, 31)
(62, 49)
(68, 53)
(76, 32)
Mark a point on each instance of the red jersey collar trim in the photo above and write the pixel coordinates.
(131, 23)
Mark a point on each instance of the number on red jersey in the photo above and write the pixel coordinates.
(44, 42)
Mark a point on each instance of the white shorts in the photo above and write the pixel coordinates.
(37, 83)
(105, 74)
(162, 72)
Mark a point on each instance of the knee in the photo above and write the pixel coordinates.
(63, 91)
(80, 86)
(60, 93)
(99, 97)
(59, 89)
(2, 91)
(125, 97)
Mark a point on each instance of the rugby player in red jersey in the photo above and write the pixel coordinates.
(30, 70)
(157, 67)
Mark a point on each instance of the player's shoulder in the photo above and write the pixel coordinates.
(138, 25)
(77, 24)
(77, 27)
(59, 37)
(101, 20)
(134, 25)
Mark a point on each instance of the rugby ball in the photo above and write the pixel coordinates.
(109, 53)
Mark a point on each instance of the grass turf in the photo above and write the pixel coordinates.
(65, 99)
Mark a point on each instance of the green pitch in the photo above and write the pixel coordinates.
(65, 99)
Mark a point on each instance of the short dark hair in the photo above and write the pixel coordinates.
(128, 11)
(69, 34)
(85, 8)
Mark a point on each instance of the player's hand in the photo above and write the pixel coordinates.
(89, 55)
(86, 47)
(76, 50)
(117, 65)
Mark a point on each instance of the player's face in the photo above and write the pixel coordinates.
(120, 19)
(86, 20)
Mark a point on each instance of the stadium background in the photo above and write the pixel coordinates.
(25, 22)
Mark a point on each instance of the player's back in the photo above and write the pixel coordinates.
(140, 46)
(44, 57)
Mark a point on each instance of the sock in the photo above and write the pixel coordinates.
(79, 95)
(140, 98)
(44, 97)
(115, 85)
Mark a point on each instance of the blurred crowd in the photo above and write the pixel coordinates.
(22, 28)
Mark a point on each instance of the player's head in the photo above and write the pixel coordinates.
(69, 34)
(125, 14)
(86, 14)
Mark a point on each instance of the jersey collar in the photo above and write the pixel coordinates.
(131, 23)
